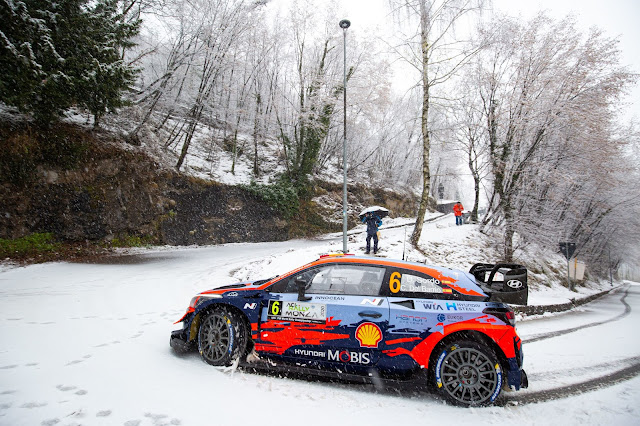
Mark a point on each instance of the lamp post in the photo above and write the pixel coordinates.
(344, 24)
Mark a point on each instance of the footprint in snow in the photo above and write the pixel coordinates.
(50, 422)
(33, 405)
(64, 388)
(7, 367)
(82, 392)
(104, 413)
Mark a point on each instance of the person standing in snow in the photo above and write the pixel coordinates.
(373, 221)
(457, 210)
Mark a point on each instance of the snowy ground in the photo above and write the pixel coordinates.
(89, 344)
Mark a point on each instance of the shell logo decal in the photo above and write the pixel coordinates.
(369, 335)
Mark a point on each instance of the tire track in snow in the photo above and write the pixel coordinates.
(543, 336)
(601, 382)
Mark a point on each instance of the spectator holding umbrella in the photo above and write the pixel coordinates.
(372, 217)
(457, 210)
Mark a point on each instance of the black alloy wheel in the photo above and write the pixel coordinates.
(468, 374)
(221, 337)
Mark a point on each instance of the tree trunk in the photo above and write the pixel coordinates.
(426, 144)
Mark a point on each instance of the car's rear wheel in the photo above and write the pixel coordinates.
(222, 337)
(468, 373)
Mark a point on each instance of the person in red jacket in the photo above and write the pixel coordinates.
(457, 210)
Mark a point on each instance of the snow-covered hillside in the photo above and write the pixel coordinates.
(89, 344)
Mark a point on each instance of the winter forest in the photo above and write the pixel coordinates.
(521, 118)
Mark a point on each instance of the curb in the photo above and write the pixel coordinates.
(560, 307)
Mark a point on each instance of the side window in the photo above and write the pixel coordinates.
(288, 284)
(347, 279)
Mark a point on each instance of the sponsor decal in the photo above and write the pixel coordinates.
(430, 306)
(250, 305)
(369, 335)
(464, 307)
(232, 294)
(374, 302)
(340, 298)
(297, 311)
(345, 356)
(515, 284)
(450, 317)
(411, 319)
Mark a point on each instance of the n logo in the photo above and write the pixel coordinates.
(374, 302)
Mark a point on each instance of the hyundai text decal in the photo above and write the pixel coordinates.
(352, 357)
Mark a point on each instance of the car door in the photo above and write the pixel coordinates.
(340, 326)
(417, 306)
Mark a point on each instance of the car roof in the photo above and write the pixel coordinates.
(456, 279)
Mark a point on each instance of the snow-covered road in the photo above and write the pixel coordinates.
(88, 344)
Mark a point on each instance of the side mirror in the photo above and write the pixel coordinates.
(301, 285)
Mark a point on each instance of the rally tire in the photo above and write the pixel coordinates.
(222, 337)
(467, 373)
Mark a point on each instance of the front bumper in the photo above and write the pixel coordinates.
(179, 341)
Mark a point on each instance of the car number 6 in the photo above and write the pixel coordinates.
(275, 308)
(394, 282)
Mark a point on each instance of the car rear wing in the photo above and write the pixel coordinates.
(503, 282)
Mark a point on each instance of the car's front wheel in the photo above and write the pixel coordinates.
(222, 337)
(468, 373)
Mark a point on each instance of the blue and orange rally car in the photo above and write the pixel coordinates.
(361, 317)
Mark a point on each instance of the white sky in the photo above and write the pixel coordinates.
(618, 18)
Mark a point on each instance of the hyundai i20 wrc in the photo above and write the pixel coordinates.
(348, 316)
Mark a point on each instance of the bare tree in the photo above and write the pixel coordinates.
(437, 55)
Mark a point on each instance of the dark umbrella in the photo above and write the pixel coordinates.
(377, 210)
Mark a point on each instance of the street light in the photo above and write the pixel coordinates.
(344, 24)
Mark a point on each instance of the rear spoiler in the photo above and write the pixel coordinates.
(503, 282)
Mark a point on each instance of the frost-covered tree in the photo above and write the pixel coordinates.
(55, 54)
(549, 94)
(432, 48)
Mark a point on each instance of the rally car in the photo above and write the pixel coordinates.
(347, 316)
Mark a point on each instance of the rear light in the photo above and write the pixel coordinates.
(505, 315)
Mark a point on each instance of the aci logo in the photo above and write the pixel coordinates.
(441, 317)
(369, 335)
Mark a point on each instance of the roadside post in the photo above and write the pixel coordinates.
(568, 248)
(344, 24)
